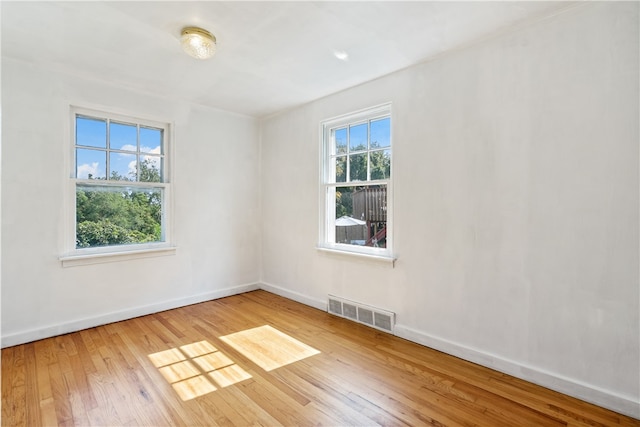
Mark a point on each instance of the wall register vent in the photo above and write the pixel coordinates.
(362, 313)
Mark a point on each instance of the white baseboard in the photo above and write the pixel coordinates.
(102, 319)
(606, 398)
(295, 296)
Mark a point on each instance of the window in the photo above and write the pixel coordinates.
(120, 182)
(357, 181)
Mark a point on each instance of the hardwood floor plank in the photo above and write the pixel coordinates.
(271, 401)
(79, 372)
(218, 411)
(105, 413)
(32, 411)
(44, 357)
(78, 410)
(376, 413)
(60, 392)
(179, 367)
(255, 414)
(167, 323)
(329, 396)
(13, 386)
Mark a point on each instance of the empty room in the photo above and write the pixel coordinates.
(320, 213)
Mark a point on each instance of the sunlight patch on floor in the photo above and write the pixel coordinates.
(269, 348)
(196, 369)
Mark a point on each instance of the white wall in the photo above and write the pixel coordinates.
(216, 199)
(515, 198)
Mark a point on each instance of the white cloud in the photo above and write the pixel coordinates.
(128, 147)
(155, 150)
(86, 169)
(132, 168)
(143, 149)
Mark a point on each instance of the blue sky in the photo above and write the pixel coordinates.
(380, 135)
(122, 137)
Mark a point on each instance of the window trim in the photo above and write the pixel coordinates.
(324, 242)
(73, 256)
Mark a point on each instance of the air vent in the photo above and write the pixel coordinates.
(350, 311)
(335, 307)
(365, 316)
(382, 321)
(362, 313)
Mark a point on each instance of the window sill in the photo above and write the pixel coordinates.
(368, 257)
(104, 257)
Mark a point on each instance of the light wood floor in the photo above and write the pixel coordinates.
(258, 359)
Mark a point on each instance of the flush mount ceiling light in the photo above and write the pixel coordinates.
(199, 43)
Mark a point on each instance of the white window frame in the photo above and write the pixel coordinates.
(73, 256)
(328, 182)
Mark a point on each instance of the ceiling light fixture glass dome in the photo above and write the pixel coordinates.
(198, 43)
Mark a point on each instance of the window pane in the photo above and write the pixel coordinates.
(91, 164)
(123, 137)
(150, 169)
(358, 167)
(117, 216)
(358, 137)
(381, 133)
(340, 137)
(122, 167)
(361, 215)
(341, 169)
(380, 164)
(150, 140)
(349, 230)
(91, 132)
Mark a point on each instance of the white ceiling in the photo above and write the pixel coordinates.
(271, 55)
